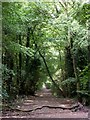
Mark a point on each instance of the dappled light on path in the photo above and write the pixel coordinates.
(45, 105)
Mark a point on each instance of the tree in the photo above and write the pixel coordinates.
(45, 42)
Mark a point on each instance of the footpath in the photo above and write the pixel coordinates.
(44, 106)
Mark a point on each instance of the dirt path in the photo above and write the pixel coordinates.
(44, 98)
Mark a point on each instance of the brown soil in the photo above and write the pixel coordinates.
(44, 98)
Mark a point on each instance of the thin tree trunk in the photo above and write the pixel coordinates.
(57, 86)
(75, 68)
(20, 56)
(28, 85)
(9, 62)
(76, 72)
(27, 45)
(20, 65)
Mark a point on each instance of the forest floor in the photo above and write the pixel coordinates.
(39, 107)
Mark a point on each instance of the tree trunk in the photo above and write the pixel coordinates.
(28, 83)
(20, 66)
(27, 45)
(76, 72)
(57, 86)
(9, 63)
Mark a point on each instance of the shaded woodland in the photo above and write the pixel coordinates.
(46, 44)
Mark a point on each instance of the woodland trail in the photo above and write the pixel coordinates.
(44, 105)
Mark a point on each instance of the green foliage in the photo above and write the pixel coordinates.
(84, 92)
(0, 90)
(51, 31)
(6, 76)
(84, 78)
(69, 81)
(83, 13)
(17, 48)
(4, 94)
(48, 85)
(6, 73)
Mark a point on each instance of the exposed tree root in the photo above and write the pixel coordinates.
(73, 107)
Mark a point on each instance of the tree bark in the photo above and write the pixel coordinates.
(27, 45)
(9, 63)
(20, 66)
